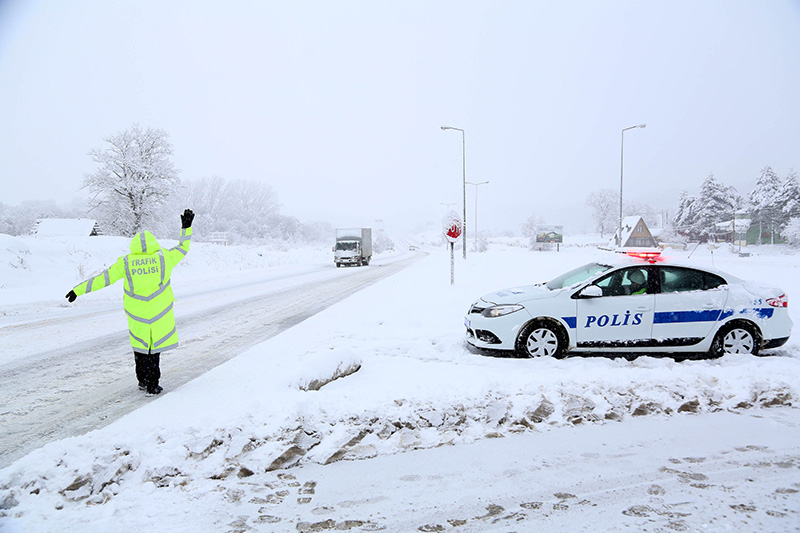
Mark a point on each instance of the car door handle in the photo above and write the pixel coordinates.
(642, 309)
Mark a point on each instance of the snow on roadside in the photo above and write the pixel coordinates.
(404, 381)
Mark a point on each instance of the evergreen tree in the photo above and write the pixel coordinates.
(765, 203)
(717, 203)
(789, 199)
(685, 220)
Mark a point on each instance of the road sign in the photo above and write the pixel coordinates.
(451, 226)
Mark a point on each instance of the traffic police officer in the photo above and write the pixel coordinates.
(148, 298)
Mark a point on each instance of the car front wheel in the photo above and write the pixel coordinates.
(736, 338)
(539, 339)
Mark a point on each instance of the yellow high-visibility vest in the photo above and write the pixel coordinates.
(148, 295)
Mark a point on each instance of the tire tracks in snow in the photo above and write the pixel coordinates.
(88, 384)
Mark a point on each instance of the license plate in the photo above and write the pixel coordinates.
(466, 323)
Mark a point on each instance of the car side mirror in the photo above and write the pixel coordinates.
(592, 291)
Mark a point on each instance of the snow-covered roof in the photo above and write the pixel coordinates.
(64, 227)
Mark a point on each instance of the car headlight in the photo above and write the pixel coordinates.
(500, 310)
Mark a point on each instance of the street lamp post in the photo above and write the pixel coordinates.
(621, 160)
(464, 183)
(476, 210)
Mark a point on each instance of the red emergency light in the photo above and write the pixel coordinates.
(647, 255)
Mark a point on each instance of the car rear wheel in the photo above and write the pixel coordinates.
(539, 339)
(736, 338)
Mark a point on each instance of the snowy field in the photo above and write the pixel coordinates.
(374, 415)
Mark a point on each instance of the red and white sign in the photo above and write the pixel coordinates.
(451, 226)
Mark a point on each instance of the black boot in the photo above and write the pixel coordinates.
(151, 372)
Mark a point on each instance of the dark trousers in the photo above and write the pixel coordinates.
(147, 368)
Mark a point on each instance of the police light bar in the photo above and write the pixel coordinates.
(648, 255)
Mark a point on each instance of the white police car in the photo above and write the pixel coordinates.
(630, 306)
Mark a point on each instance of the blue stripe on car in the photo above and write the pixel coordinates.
(572, 321)
(670, 317)
(764, 312)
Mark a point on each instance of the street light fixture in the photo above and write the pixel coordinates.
(464, 172)
(476, 209)
(621, 152)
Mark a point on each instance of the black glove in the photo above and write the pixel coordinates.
(71, 296)
(186, 219)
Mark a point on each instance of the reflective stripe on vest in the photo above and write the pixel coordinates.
(164, 339)
(137, 339)
(106, 278)
(144, 242)
(151, 296)
(150, 320)
(128, 274)
(163, 266)
(168, 347)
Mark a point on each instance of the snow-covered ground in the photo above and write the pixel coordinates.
(374, 415)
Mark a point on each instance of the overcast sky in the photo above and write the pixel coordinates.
(337, 105)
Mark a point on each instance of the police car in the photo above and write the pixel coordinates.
(632, 305)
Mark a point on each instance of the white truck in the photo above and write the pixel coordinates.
(353, 246)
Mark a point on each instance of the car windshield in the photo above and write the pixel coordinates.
(577, 275)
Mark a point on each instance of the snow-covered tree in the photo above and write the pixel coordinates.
(789, 198)
(765, 204)
(651, 216)
(249, 200)
(135, 179)
(792, 231)
(717, 203)
(685, 220)
(248, 211)
(529, 226)
(318, 232)
(605, 210)
(206, 197)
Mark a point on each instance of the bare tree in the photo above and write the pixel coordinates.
(249, 200)
(604, 205)
(135, 179)
(245, 209)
